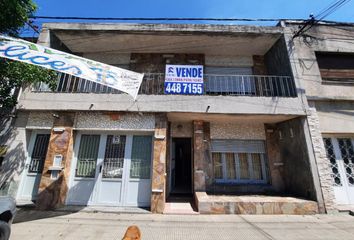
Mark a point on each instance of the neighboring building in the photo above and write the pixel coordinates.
(247, 134)
(323, 62)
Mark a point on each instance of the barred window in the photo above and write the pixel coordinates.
(114, 156)
(87, 156)
(141, 157)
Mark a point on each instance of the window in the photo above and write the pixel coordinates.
(340, 154)
(336, 67)
(39, 153)
(239, 161)
(114, 157)
(87, 156)
(141, 157)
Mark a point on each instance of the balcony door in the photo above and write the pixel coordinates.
(112, 170)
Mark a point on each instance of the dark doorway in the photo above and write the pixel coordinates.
(181, 183)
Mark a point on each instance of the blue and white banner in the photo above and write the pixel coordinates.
(184, 79)
(114, 77)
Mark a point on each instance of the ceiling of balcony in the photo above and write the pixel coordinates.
(228, 118)
(242, 44)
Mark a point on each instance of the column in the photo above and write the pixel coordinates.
(158, 194)
(52, 192)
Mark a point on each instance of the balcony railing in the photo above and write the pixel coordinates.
(153, 84)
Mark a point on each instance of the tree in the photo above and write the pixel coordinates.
(13, 16)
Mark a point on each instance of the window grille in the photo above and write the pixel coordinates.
(141, 157)
(332, 162)
(113, 162)
(39, 153)
(87, 156)
(347, 152)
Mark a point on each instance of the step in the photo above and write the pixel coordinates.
(255, 204)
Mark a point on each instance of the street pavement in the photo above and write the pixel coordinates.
(31, 224)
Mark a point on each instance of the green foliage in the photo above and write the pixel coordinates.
(14, 14)
(13, 75)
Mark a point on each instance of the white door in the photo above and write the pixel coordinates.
(138, 180)
(111, 170)
(340, 153)
(84, 169)
(37, 151)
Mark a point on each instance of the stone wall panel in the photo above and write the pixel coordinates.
(247, 131)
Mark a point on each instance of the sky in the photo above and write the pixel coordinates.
(298, 9)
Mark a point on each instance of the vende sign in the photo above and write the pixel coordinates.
(184, 79)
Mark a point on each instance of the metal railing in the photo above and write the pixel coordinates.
(153, 84)
(113, 168)
(36, 165)
(86, 168)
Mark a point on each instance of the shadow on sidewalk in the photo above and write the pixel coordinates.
(30, 214)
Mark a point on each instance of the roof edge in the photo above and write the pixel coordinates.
(163, 27)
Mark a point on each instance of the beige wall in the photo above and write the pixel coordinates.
(16, 143)
(181, 129)
(335, 117)
(109, 58)
(160, 103)
(305, 65)
(40, 120)
(228, 61)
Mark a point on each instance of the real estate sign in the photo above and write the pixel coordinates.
(184, 79)
(114, 77)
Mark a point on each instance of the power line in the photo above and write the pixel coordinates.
(34, 28)
(334, 6)
(330, 9)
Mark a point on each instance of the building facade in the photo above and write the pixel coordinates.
(251, 143)
(323, 61)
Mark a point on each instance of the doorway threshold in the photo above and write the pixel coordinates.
(182, 208)
(180, 204)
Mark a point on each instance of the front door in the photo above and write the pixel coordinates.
(37, 151)
(181, 166)
(340, 153)
(112, 170)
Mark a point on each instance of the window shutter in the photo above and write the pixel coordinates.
(238, 146)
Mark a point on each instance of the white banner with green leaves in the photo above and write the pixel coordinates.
(31, 53)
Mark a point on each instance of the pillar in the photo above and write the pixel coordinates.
(208, 163)
(52, 192)
(158, 194)
(198, 156)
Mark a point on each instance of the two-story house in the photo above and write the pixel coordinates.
(322, 60)
(243, 146)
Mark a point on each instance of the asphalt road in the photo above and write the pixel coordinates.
(36, 225)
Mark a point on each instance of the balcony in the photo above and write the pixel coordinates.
(214, 85)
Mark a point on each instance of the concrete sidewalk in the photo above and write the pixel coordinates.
(36, 225)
